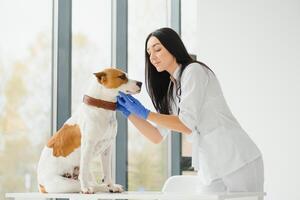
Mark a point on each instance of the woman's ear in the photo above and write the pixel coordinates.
(101, 76)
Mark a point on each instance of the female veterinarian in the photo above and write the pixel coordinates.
(189, 100)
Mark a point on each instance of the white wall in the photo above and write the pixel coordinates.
(254, 48)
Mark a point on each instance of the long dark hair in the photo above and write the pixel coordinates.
(157, 83)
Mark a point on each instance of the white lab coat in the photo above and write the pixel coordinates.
(219, 144)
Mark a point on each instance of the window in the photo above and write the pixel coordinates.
(25, 90)
(147, 162)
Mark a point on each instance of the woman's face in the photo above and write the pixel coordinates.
(159, 56)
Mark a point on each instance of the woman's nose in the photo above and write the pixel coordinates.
(152, 57)
(153, 60)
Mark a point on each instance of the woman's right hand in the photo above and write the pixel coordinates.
(133, 105)
(123, 110)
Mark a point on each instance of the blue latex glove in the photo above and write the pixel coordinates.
(123, 110)
(133, 105)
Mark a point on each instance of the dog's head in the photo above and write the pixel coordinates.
(115, 80)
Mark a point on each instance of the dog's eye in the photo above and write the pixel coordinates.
(123, 77)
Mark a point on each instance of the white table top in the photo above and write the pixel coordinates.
(132, 195)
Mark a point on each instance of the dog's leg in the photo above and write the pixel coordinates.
(107, 165)
(59, 184)
(87, 146)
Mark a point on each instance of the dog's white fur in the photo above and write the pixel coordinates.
(98, 129)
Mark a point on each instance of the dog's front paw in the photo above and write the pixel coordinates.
(115, 188)
(87, 190)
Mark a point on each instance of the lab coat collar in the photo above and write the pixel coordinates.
(175, 75)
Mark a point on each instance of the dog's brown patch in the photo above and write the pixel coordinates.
(42, 189)
(111, 78)
(65, 141)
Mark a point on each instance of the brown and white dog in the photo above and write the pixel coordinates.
(64, 165)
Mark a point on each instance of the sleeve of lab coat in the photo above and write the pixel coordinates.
(193, 89)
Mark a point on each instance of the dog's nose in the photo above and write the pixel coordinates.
(139, 84)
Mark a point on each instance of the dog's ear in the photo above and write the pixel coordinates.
(101, 76)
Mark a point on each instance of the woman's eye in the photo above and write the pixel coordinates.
(157, 50)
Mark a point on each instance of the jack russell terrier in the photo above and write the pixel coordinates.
(64, 165)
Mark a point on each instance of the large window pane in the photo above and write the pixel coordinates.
(189, 25)
(25, 90)
(91, 43)
(147, 162)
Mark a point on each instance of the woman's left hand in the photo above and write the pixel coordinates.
(133, 105)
